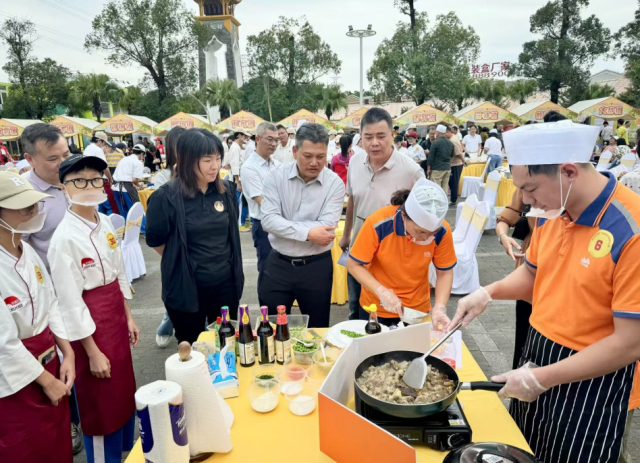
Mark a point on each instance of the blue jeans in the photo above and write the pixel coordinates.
(354, 288)
(166, 327)
(495, 161)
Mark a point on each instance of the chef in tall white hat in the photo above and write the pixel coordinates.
(394, 249)
(577, 368)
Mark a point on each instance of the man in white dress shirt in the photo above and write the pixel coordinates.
(253, 173)
(284, 150)
(301, 206)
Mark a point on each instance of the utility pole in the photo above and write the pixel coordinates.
(361, 34)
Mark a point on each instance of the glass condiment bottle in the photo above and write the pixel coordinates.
(217, 329)
(246, 347)
(372, 327)
(282, 338)
(227, 332)
(266, 348)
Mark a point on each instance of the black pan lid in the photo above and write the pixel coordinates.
(490, 452)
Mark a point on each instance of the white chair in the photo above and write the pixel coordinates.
(466, 278)
(490, 195)
(464, 214)
(146, 170)
(472, 185)
(604, 162)
(629, 161)
(118, 224)
(617, 170)
(131, 251)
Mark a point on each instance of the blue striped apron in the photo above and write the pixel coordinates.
(580, 422)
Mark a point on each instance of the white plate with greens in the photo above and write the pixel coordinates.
(343, 334)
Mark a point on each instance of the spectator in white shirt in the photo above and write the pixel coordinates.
(415, 151)
(126, 177)
(493, 148)
(284, 150)
(472, 142)
(96, 148)
(233, 164)
(456, 132)
(398, 143)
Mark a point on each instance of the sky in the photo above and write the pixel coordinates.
(502, 25)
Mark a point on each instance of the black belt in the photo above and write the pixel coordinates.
(299, 261)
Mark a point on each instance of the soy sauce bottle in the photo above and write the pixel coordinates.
(372, 327)
(246, 347)
(266, 349)
(227, 332)
(283, 340)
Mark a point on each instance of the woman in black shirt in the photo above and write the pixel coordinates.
(192, 224)
(152, 159)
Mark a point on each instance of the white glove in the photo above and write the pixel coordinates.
(389, 301)
(520, 384)
(439, 319)
(469, 307)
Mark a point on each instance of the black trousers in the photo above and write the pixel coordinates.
(262, 245)
(309, 284)
(211, 299)
(454, 182)
(523, 312)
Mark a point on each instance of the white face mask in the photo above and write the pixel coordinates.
(33, 225)
(426, 242)
(88, 198)
(552, 213)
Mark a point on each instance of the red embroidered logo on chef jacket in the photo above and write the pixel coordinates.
(87, 262)
(13, 303)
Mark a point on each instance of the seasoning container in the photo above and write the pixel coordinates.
(282, 340)
(266, 372)
(264, 396)
(372, 327)
(246, 349)
(227, 332)
(266, 348)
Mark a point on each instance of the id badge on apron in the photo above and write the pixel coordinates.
(47, 356)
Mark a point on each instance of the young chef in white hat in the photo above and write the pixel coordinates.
(34, 385)
(582, 278)
(93, 289)
(392, 253)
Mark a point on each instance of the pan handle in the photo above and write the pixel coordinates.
(482, 386)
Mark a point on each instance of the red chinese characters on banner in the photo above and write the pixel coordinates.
(9, 131)
(424, 117)
(66, 129)
(185, 124)
(486, 115)
(245, 124)
(356, 121)
(540, 115)
(615, 110)
(121, 127)
(486, 70)
(310, 120)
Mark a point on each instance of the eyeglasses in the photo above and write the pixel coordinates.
(272, 141)
(34, 208)
(82, 183)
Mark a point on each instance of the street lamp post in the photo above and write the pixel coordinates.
(361, 34)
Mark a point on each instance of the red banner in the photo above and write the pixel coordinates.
(185, 124)
(611, 110)
(121, 127)
(9, 131)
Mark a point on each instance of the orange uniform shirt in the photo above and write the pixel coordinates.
(588, 271)
(398, 263)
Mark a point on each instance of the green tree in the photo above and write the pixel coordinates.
(333, 99)
(148, 106)
(159, 35)
(97, 88)
(627, 47)
(585, 92)
(291, 52)
(132, 94)
(463, 92)
(493, 91)
(522, 89)
(567, 50)
(224, 94)
(425, 62)
(77, 105)
(19, 36)
(266, 97)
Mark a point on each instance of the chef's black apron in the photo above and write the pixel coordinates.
(579, 422)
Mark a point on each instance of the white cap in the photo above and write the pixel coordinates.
(356, 139)
(550, 143)
(301, 122)
(441, 128)
(493, 131)
(22, 164)
(225, 135)
(412, 126)
(427, 205)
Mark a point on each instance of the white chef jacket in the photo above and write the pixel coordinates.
(416, 153)
(284, 154)
(82, 258)
(28, 304)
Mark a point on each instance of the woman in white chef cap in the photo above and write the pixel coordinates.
(393, 251)
(34, 385)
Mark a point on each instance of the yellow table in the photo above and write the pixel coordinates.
(280, 436)
(505, 192)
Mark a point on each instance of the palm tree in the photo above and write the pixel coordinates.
(333, 99)
(493, 91)
(223, 93)
(76, 104)
(96, 88)
(522, 89)
(131, 96)
(587, 92)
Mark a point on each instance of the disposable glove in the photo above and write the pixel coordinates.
(389, 301)
(439, 318)
(520, 384)
(469, 307)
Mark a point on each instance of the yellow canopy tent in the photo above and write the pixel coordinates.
(605, 108)
(11, 129)
(536, 111)
(485, 113)
(424, 115)
(304, 115)
(240, 120)
(352, 121)
(125, 124)
(72, 126)
(188, 121)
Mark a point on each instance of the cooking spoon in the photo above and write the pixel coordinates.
(416, 374)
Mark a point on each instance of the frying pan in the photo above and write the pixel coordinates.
(420, 410)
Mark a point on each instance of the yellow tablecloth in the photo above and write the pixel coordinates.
(280, 436)
(505, 192)
(339, 291)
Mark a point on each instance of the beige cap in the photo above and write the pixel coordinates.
(333, 132)
(291, 131)
(17, 193)
(411, 127)
(102, 136)
(341, 132)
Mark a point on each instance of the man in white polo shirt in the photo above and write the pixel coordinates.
(284, 150)
(95, 148)
(126, 176)
(374, 175)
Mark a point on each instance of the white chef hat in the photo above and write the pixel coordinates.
(356, 139)
(441, 128)
(427, 205)
(493, 131)
(550, 143)
(301, 122)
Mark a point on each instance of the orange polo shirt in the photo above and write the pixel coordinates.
(588, 271)
(397, 263)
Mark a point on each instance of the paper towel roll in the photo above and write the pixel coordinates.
(207, 424)
(163, 429)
